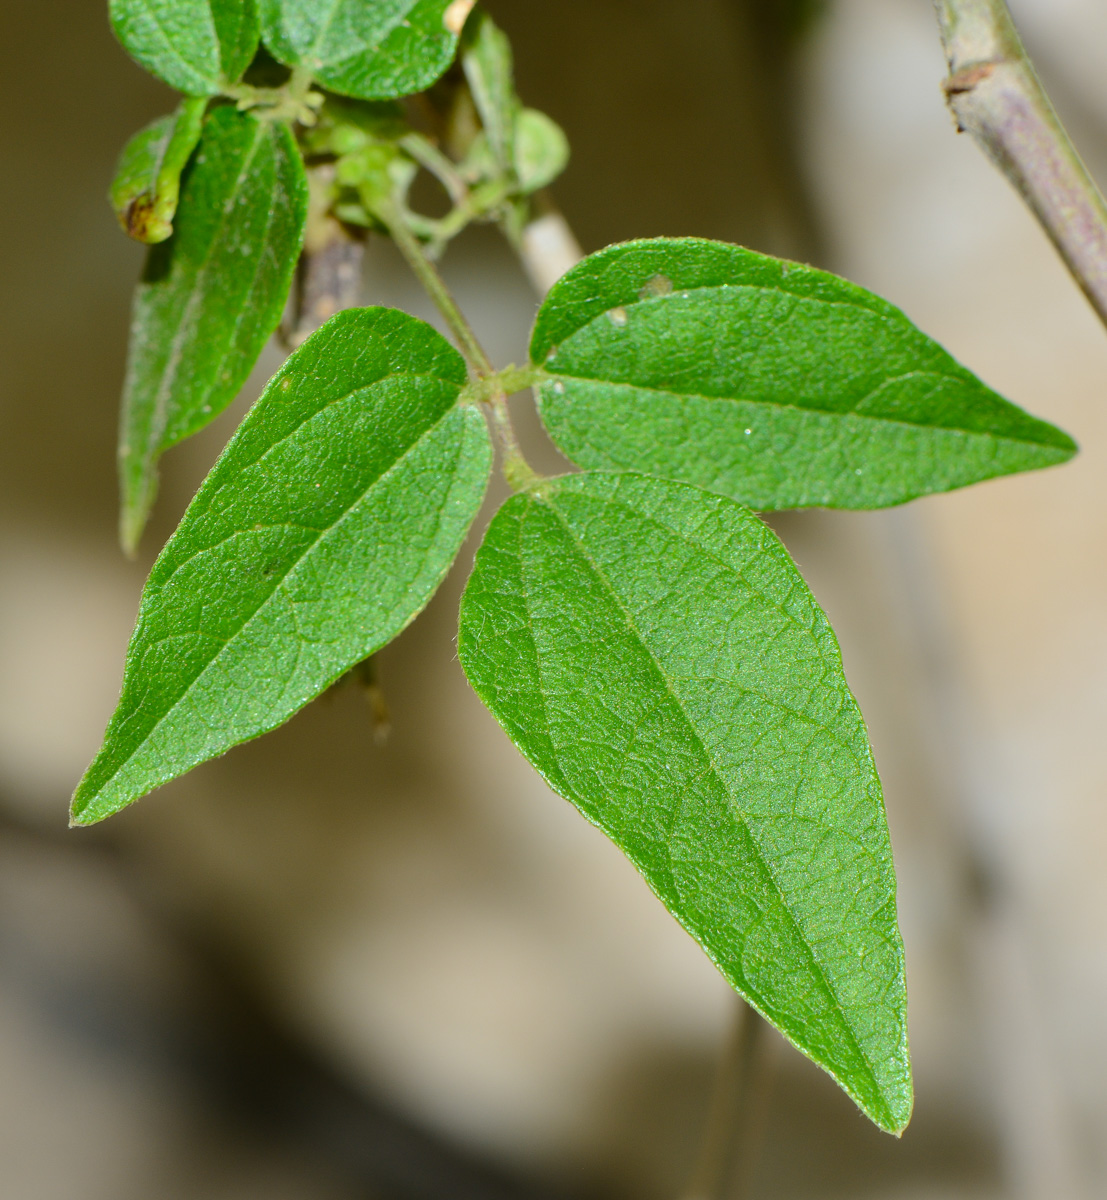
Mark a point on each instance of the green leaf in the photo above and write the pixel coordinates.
(487, 62)
(210, 296)
(652, 650)
(196, 46)
(324, 528)
(541, 150)
(370, 49)
(776, 384)
(147, 182)
(520, 141)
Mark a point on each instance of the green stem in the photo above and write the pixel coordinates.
(468, 205)
(294, 101)
(731, 1133)
(519, 474)
(433, 284)
(442, 230)
(428, 156)
(508, 380)
(299, 83)
(996, 96)
(517, 471)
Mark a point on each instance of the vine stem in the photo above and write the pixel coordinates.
(435, 287)
(996, 96)
(517, 471)
(428, 156)
(723, 1167)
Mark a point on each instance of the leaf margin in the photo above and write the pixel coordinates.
(155, 399)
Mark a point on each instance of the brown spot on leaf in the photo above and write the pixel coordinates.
(656, 285)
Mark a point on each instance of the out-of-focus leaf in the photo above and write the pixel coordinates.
(210, 296)
(147, 182)
(196, 46)
(541, 150)
(344, 125)
(486, 60)
(324, 528)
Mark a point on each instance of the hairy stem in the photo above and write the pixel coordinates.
(517, 471)
(995, 95)
(427, 274)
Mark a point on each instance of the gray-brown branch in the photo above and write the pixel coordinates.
(996, 96)
(330, 280)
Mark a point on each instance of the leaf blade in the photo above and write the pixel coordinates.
(541, 150)
(372, 51)
(322, 531)
(196, 46)
(487, 61)
(238, 29)
(776, 384)
(210, 296)
(600, 628)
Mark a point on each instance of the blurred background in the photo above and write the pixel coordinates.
(323, 968)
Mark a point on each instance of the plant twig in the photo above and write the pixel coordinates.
(995, 95)
(329, 274)
(516, 470)
(431, 159)
(427, 274)
(735, 1111)
(330, 280)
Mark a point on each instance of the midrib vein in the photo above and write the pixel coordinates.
(720, 779)
(801, 410)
